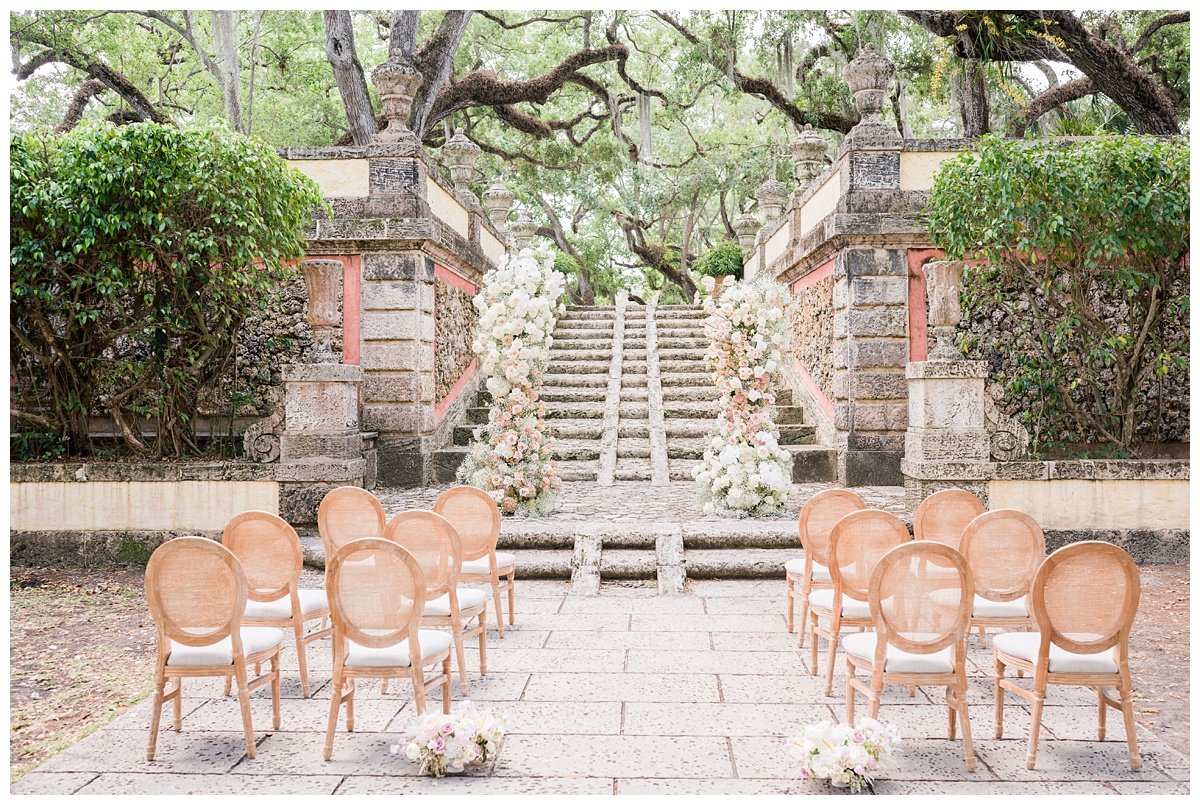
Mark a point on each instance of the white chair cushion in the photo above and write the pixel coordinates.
(851, 608)
(1018, 608)
(1024, 646)
(310, 601)
(862, 645)
(819, 572)
(433, 642)
(468, 598)
(480, 567)
(254, 640)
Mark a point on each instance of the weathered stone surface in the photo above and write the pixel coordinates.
(857, 262)
(397, 325)
(876, 352)
(879, 291)
(409, 265)
(873, 468)
(454, 318)
(878, 321)
(946, 444)
(395, 356)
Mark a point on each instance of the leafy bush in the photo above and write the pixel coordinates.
(1084, 246)
(722, 260)
(137, 253)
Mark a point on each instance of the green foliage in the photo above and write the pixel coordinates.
(1086, 244)
(722, 260)
(137, 253)
(35, 445)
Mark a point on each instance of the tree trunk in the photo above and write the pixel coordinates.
(225, 39)
(348, 75)
(973, 99)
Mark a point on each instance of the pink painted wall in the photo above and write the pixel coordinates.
(918, 335)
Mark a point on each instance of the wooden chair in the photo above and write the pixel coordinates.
(433, 541)
(348, 513)
(1004, 549)
(196, 591)
(270, 554)
(376, 593)
(811, 571)
(856, 544)
(920, 599)
(942, 516)
(476, 518)
(1084, 599)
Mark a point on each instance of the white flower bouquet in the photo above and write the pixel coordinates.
(510, 457)
(849, 757)
(744, 470)
(441, 743)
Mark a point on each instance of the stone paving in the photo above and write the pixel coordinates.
(622, 692)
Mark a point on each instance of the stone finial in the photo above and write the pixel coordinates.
(746, 226)
(771, 196)
(869, 76)
(397, 81)
(322, 277)
(809, 154)
(943, 282)
(460, 155)
(522, 230)
(498, 200)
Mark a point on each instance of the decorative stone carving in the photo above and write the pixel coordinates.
(809, 155)
(771, 196)
(522, 230)
(260, 441)
(498, 201)
(1009, 438)
(322, 278)
(397, 81)
(460, 155)
(746, 227)
(943, 281)
(869, 76)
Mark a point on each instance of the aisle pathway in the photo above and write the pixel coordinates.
(625, 692)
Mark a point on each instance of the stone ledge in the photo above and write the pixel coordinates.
(945, 370)
(83, 471)
(1167, 469)
(321, 373)
(946, 470)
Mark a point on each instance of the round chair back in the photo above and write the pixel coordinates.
(376, 592)
(921, 597)
(1085, 595)
(942, 516)
(348, 513)
(1004, 548)
(474, 515)
(269, 552)
(858, 542)
(435, 545)
(818, 517)
(196, 591)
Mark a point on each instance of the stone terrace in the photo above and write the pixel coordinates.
(624, 692)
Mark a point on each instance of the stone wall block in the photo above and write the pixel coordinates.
(398, 388)
(840, 323)
(397, 325)
(947, 444)
(862, 262)
(393, 356)
(411, 265)
(946, 404)
(878, 321)
(841, 294)
(411, 418)
(874, 169)
(879, 290)
(868, 385)
(391, 295)
(397, 176)
(884, 353)
(880, 416)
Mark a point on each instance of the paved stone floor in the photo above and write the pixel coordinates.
(624, 692)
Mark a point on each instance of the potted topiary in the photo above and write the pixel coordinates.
(721, 261)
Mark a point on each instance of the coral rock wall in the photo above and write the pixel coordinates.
(454, 330)
(813, 334)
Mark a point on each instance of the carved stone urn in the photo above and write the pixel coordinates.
(460, 155)
(321, 277)
(522, 230)
(943, 282)
(498, 201)
(869, 76)
(808, 154)
(771, 196)
(746, 227)
(397, 81)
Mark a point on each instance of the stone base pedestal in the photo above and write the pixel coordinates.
(946, 445)
(322, 447)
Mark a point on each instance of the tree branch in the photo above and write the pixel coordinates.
(1047, 101)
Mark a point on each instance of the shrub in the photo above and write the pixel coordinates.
(1084, 245)
(722, 260)
(137, 252)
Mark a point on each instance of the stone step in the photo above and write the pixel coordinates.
(633, 410)
(576, 449)
(680, 409)
(583, 326)
(633, 368)
(578, 344)
(783, 396)
(564, 410)
(571, 470)
(585, 367)
(694, 428)
(813, 463)
(446, 463)
(667, 353)
(680, 469)
(745, 533)
(797, 434)
(559, 356)
(634, 393)
(567, 394)
(532, 563)
(686, 448)
(736, 563)
(634, 429)
(575, 428)
(463, 435)
(789, 414)
(688, 366)
(673, 394)
(673, 342)
(608, 316)
(576, 379)
(700, 378)
(626, 563)
(633, 448)
(629, 471)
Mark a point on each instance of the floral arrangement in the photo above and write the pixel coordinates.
(510, 457)
(449, 743)
(744, 470)
(846, 756)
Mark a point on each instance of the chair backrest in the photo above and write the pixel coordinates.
(474, 515)
(196, 591)
(269, 552)
(376, 594)
(1085, 596)
(859, 540)
(818, 517)
(942, 516)
(921, 597)
(435, 545)
(1004, 548)
(348, 513)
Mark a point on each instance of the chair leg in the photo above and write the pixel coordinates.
(850, 692)
(833, 647)
(483, 642)
(499, 609)
(335, 704)
(350, 691)
(512, 597)
(383, 686)
(460, 653)
(813, 660)
(275, 688)
(950, 709)
(1103, 714)
(228, 683)
(790, 618)
(156, 713)
(178, 709)
(244, 701)
(803, 620)
(301, 654)
(446, 686)
(876, 694)
(1135, 760)
(1034, 728)
(418, 680)
(999, 699)
(960, 704)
